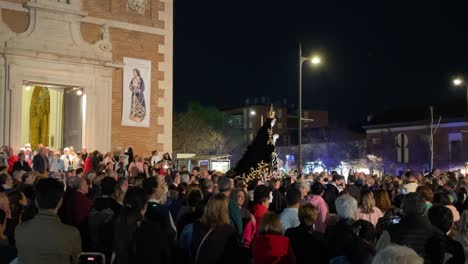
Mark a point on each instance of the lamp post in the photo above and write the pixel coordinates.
(461, 82)
(315, 61)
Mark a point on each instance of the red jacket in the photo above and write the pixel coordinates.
(11, 162)
(258, 210)
(273, 249)
(76, 209)
(87, 165)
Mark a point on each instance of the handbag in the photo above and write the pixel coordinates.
(201, 244)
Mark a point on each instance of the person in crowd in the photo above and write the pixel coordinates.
(63, 241)
(12, 159)
(76, 207)
(18, 202)
(207, 188)
(156, 210)
(390, 213)
(146, 170)
(279, 200)
(364, 233)
(78, 162)
(7, 251)
(193, 211)
(414, 230)
(289, 218)
(240, 197)
(462, 234)
(271, 246)
(259, 207)
(102, 217)
(305, 240)
(304, 187)
(427, 193)
(126, 224)
(21, 164)
(41, 163)
(340, 240)
(352, 188)
(441, 247)
(395, 254)
(120, 190)
(444, 199)
(366, 208)
(67, 158)
(235, 218)
(155, 158)
(411, 185)
(332, 191)
(57, 164)
(137, 163)
(6, 183)
(315, 198)
(213, 238)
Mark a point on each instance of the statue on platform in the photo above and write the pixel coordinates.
(259, 160)
(39, 117)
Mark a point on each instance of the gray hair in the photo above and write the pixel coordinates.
(74, 182)
(346, 207)
(395, 254)
(303, 184)
(224, 184)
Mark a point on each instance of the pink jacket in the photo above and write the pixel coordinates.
(321, 205)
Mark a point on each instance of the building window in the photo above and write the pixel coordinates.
(376, 141)
(455, 146)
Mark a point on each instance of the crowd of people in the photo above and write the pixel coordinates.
(55, 205)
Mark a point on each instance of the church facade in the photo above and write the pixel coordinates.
(66, 77)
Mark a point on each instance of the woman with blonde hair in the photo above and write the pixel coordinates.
(366, 208)
(213, 239)
(271, 246)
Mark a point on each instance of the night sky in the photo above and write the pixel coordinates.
(378, 55)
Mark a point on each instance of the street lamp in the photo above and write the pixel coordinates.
(315, 60)
(252, 112)
(461, 82)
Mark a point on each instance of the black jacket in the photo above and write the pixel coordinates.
(219, 247)
(330, 195)
(153, 244)
(306, 243)
(18, 166)
(414, 232)
(279, 202)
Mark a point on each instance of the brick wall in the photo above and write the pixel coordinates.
(126, 43)
(142, 46)
(117, 9)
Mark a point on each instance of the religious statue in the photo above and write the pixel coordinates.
(138, 106)
(39, 117)
(259, 159)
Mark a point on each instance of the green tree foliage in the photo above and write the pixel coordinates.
(205, 130)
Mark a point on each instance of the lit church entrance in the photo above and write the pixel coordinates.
(52, 115)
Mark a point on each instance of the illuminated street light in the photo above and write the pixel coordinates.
(460, 82)
(457, 81)
(316, 60)
(252, 112)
